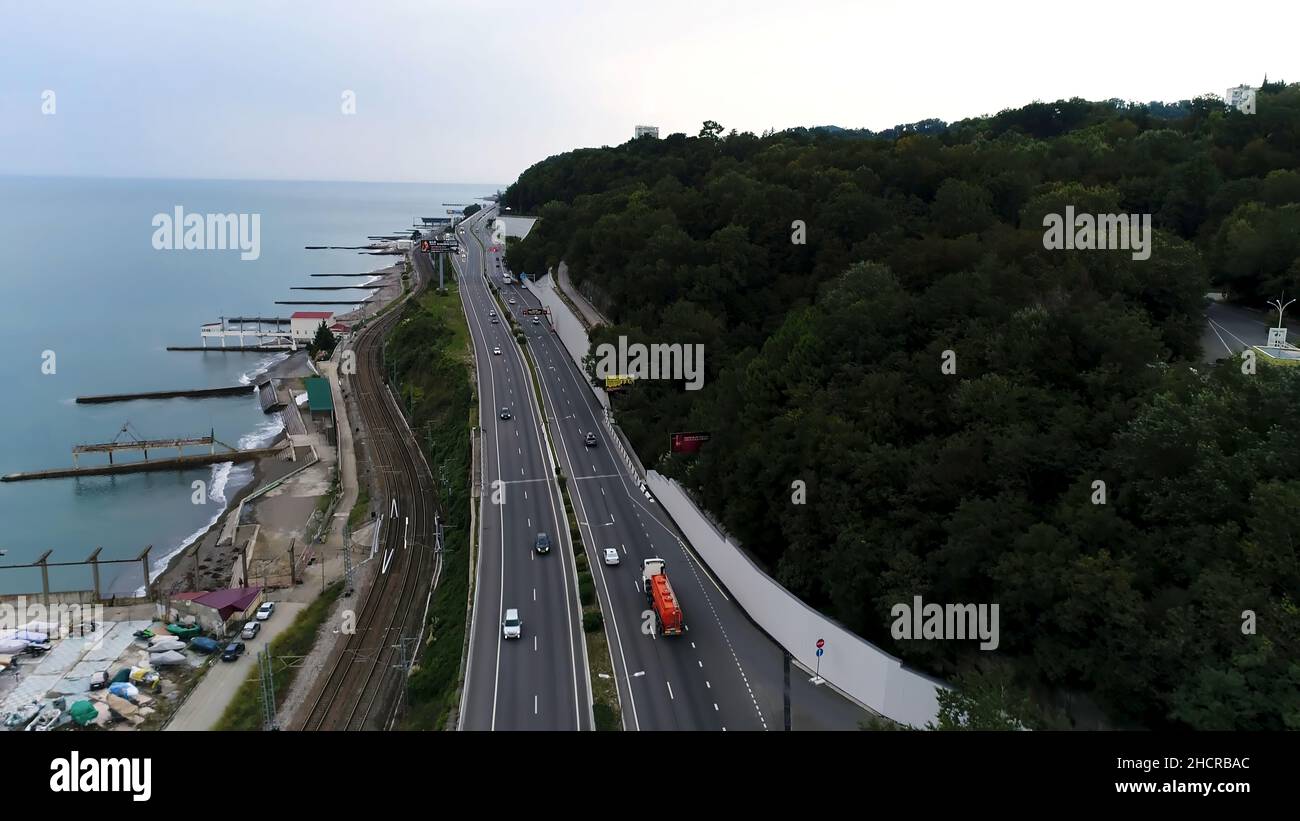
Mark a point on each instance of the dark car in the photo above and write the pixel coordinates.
(591, 439)
(542, 544)
(505, 413)
(233, 651)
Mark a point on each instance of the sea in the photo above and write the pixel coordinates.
(92, 305)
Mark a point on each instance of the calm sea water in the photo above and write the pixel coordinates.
(80, 278)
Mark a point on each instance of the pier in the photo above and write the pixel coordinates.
(321, 301)
(273, 333)
(179, 462)
(199, 393)
(335, 287)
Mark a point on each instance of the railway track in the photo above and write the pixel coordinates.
(363, 680)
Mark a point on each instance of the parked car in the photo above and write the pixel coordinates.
(512, 627)
(251, 629)
(542, 544)
(201, 644)
(233, 651)
(611, 556)
(266, 610)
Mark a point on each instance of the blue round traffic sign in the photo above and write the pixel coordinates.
(819, 652)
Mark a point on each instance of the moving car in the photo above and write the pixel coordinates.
(505, 413)
(611, 556)
(264, 612)
(512, 300)
(591, 439)
(513, 626)
(536, 321)
(232, 651)
(542, 544)
(496, 321)
(251, 629)
(496, 351)
(492, 312)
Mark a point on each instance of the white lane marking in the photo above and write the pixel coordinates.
(670, 690)
(534, 705)
(534, 644)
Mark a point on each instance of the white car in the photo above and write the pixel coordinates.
(512, 300)
(264, 612)
(512, 627)
(496, 351)
(611, 555)
(251, 629)
(492, 312)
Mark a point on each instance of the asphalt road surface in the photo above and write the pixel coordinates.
(723, 673)
(540, 680)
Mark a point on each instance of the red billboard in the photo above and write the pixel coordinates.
(689, 442)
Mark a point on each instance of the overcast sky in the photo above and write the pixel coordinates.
(478, 91)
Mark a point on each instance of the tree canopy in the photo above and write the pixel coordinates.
(924, 245)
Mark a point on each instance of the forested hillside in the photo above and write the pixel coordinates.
(823, 366)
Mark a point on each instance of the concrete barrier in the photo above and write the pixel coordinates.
(566, 325)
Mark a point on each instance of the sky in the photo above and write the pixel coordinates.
(479, 91)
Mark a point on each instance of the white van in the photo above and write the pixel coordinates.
(513, 626)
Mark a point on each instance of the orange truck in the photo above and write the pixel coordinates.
(659, 593)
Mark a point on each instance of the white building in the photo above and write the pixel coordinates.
(303, 324)
(1241, 98)
(646, 131)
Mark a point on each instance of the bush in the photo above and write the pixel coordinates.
(592, 621)
(606, 717)
(586, 589)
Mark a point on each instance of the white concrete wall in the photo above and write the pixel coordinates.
(569, 328)
(852, 664)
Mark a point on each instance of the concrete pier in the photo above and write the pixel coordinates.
(197, 393)
(173, 463)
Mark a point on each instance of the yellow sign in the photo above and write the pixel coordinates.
(613, 382)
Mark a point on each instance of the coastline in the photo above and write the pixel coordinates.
(191, 563)
(202, 563)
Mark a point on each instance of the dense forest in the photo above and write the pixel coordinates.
(823, 366)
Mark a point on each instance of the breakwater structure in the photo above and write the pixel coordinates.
(197, 393)
(180, 461)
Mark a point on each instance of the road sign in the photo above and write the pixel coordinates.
(819, 652)
(821, 643)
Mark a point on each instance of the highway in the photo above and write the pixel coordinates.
(540, 680)
(723, 673)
